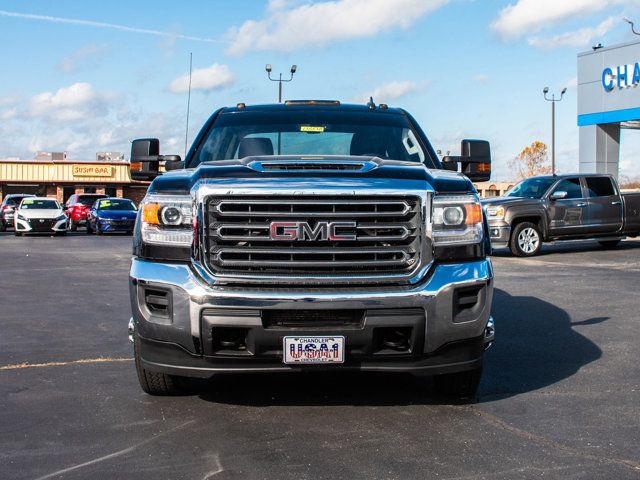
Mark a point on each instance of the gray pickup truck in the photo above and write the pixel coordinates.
(310, 235)
(562, 207)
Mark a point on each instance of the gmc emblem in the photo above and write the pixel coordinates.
(292, 231)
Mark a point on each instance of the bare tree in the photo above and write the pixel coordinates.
(531, 161)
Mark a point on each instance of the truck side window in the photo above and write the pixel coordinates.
(571, 186)
(600, 187)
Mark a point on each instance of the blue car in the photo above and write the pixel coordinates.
(112, 215)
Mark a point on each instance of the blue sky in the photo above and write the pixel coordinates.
(87, 76)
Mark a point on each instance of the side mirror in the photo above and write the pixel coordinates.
(558, 195)
(145, 153)
(172, 162)
(474, 159)
(146, 158)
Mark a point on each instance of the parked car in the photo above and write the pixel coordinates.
(112, 215)
(39, 214)
(7, 208)
(355, 250)
(77, 208)
(562, 207)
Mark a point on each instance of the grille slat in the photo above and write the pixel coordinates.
(311, 208)
(364, 231)
(382, 236)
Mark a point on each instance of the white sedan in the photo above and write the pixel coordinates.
(39, 214)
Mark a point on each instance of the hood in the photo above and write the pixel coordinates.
(311, 172)
(509, 201)
(41, 213)
(117, 215)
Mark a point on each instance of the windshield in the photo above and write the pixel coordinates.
(126, 205)
(305, 132)
(14, 200)
(30, 204)
(88, 200)
(531, 188)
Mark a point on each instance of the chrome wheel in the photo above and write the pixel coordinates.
(528, 240)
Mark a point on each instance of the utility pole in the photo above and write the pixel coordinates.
(186, 133)
(279, 79)
(553, 101)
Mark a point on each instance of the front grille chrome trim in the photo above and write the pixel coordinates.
(407, 241)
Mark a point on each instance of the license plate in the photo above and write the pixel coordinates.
(305, 350)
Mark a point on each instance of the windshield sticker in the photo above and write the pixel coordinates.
(105, 203)
(27, 202)
(311, 129)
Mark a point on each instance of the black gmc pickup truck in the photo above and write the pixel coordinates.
(562, 207)
(311, 235)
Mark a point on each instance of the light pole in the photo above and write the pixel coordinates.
(553, 101)
(280, 80)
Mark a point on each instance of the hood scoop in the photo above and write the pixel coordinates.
(318, 165)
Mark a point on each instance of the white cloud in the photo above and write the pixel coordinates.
(572, 83)
(71, 103)
(320, 23)
(214, 77)
(89, 54)
(582, 37)
(529, 16)
(481, 78)
(391, 91)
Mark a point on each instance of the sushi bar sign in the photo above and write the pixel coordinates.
(92, 170)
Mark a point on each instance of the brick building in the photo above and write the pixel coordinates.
(62, 178)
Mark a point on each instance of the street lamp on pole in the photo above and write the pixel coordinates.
(280, 80)
(553, 101)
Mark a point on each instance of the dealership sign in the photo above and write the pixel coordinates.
(92, 170)
(622, 76)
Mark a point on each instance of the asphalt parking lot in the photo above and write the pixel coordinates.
(560, 397)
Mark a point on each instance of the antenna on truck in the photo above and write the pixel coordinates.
(186, 133)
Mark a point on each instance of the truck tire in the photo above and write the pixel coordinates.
(526, 240)
(156, 383)
(463, 385)
(609, 243)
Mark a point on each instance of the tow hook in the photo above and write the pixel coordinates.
(132, 329)
(489, 333)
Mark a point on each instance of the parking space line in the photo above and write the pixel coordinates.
(119, 453)
(544, 441)
(19, 366)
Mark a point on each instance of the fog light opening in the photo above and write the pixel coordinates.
(234, 339)
(397, 339)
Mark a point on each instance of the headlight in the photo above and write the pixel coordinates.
(495, 212)
(61, 217)
(166, 220)
(457, 220)
(20, 217)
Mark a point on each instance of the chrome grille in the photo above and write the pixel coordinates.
(386, 241)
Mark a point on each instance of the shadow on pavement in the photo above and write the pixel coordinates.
(536, 347)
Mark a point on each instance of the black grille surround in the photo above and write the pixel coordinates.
(388, 247)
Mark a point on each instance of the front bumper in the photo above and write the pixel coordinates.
(447, 320)
(107, 226)
(500, 234)
(34, 225)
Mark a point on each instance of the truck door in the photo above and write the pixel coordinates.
(568, 215)
(605, 205)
